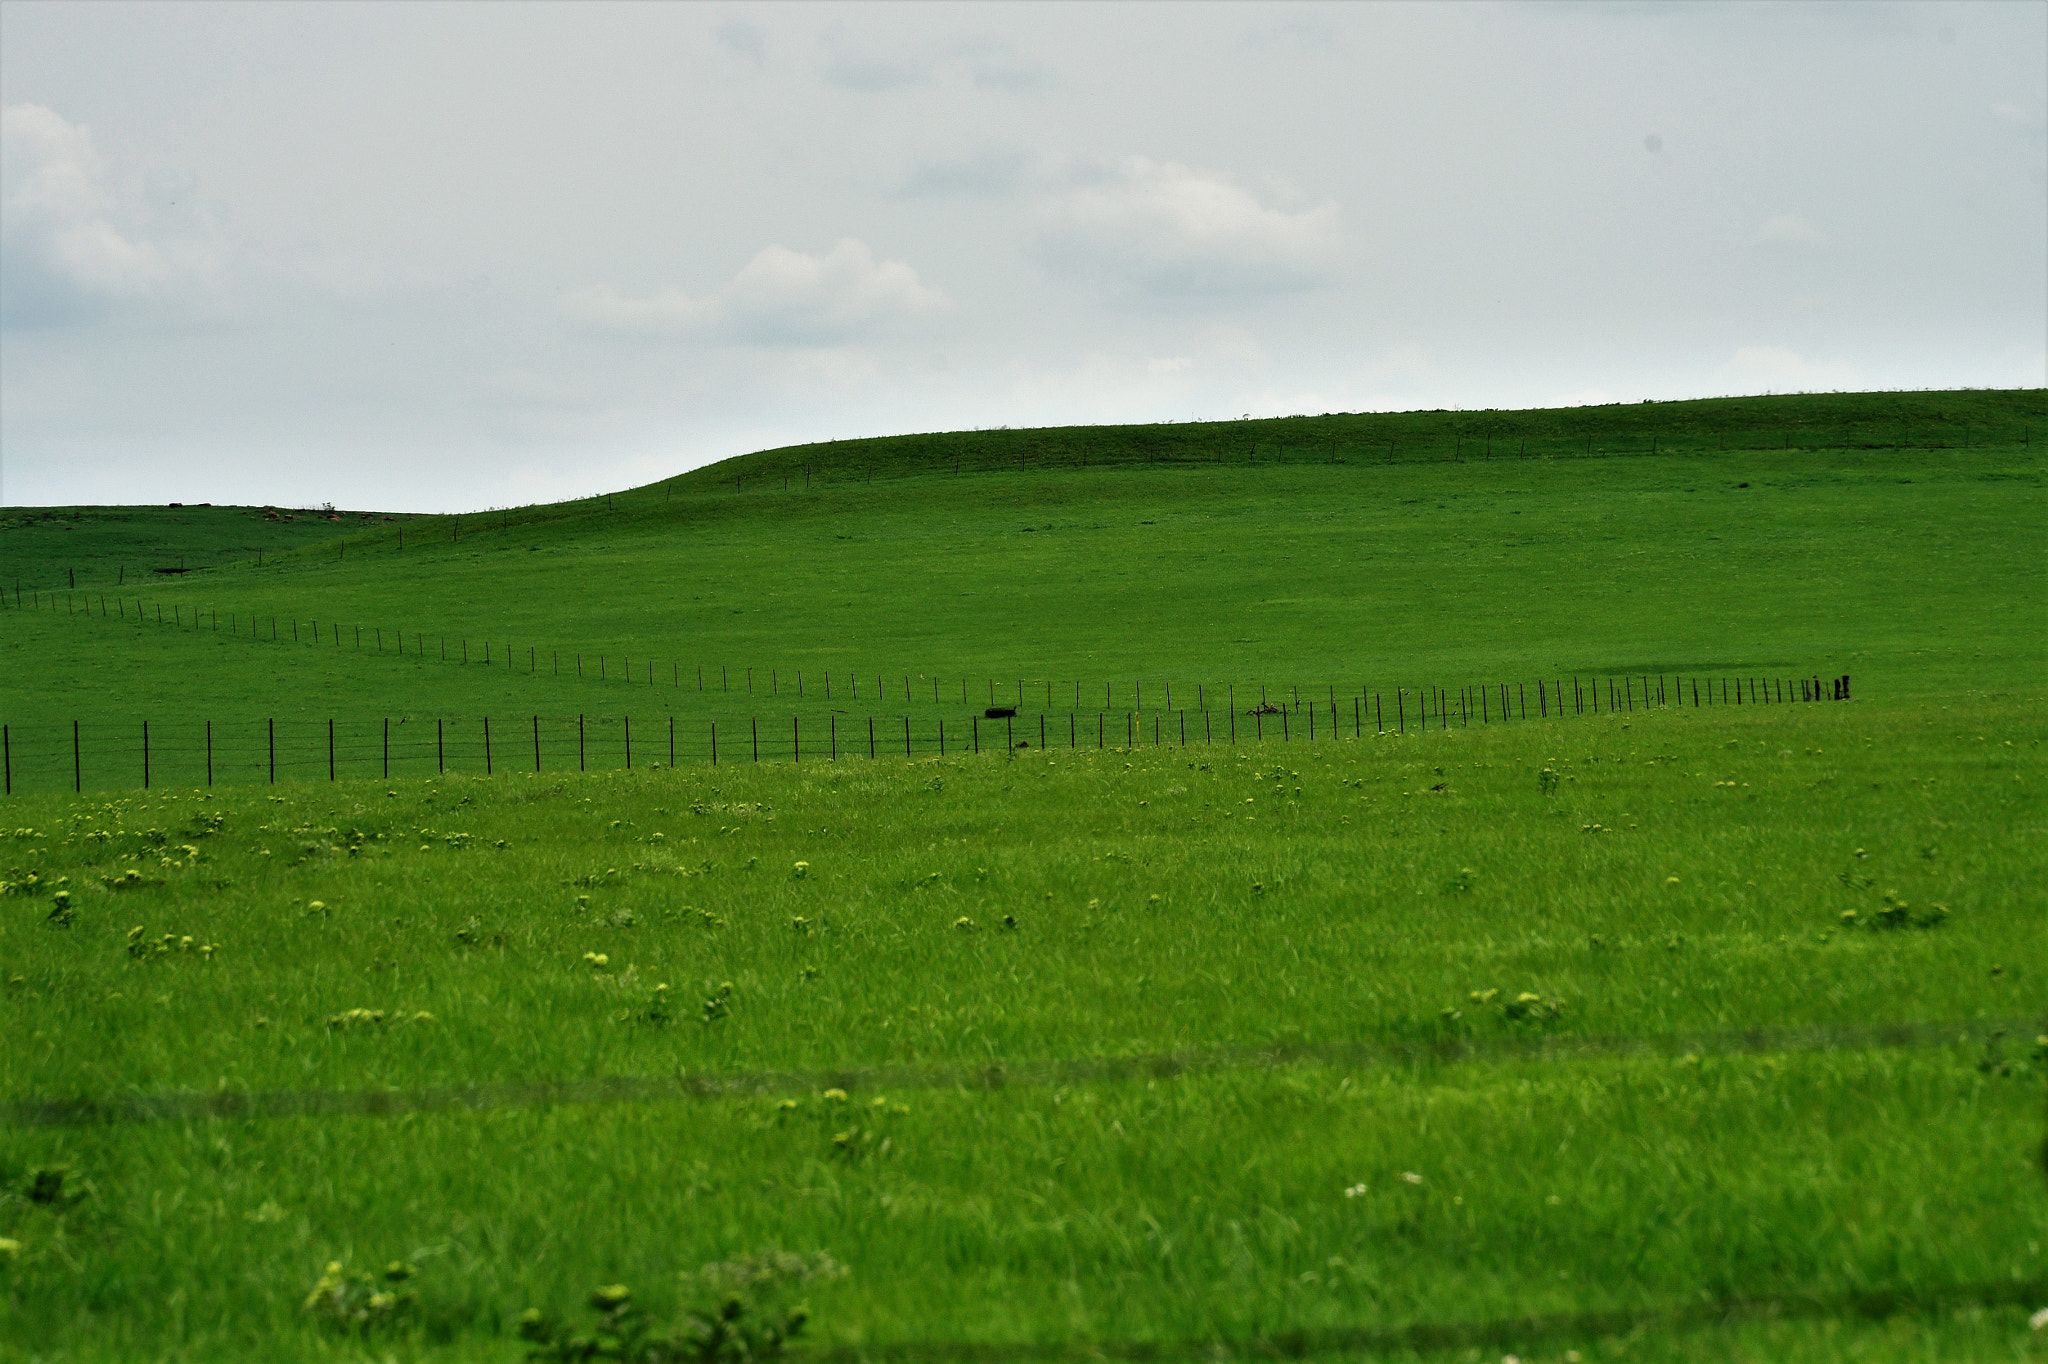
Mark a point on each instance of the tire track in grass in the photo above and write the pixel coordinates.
(1513, 1333)
(187, 1105)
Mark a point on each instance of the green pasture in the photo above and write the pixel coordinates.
(1689, 873)
(1073, 589)
(1437, 1039)
(142, 547)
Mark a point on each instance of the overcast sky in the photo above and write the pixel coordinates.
(444, 256)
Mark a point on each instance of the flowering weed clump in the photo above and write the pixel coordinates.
(358, 1302)
(142, 947)
(739, 1310)
(1896, 913)
(369, 1020)
(1526, 1007)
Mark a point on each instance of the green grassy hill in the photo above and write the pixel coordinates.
(1651, 1031)
(1098, 585)
(142, 547)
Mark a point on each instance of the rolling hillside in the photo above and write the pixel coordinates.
(1394, 938)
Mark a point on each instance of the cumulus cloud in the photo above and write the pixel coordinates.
(61, 254)
(1167, 228)
(1779, 369)
(781, 297)
(1789, 229)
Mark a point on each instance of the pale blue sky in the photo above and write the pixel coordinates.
(436, 256)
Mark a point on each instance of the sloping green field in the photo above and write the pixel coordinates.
(1673, 1030)
(1058, 588)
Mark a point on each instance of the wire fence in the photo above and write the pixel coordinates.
(675, 680)
(198, 752)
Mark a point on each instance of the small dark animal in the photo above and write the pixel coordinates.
(999, 712)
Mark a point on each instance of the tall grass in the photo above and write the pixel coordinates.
(880, 1008)
(1690, 872)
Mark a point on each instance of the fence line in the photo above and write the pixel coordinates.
(1000, 692)
(204, 752)
(122, 1109)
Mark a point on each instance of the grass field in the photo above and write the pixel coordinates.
(1090, 589)
(1563, 1035)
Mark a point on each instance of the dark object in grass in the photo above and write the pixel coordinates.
(746, 1319)
(999, 713)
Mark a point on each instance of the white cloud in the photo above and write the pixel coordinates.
(1169, 228)
(1779, 369)
(781, 297)
(1584, 397)
(61, 255)
(1789, 229)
